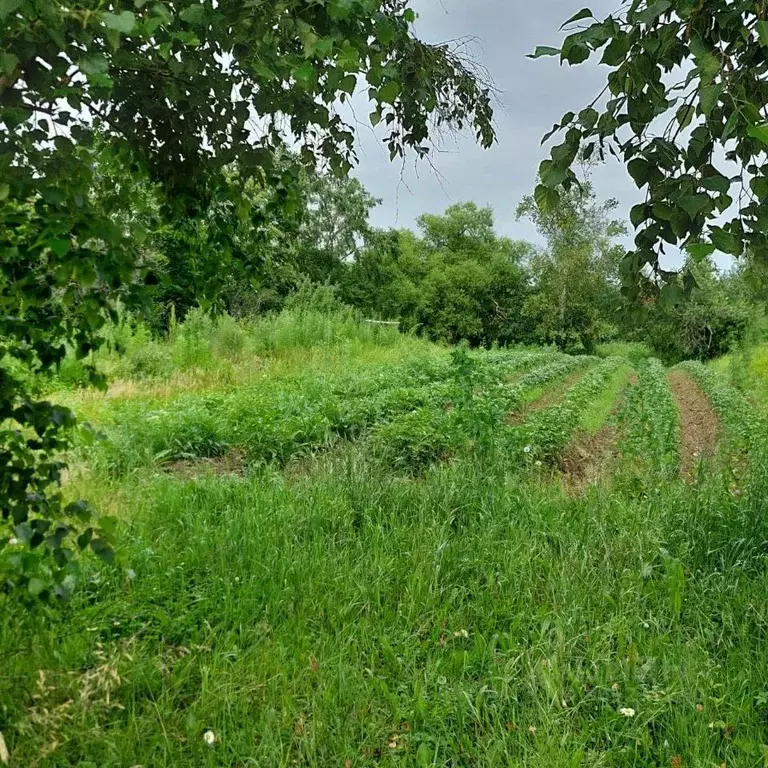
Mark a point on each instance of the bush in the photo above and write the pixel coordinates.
(634, 351)
(150, 361)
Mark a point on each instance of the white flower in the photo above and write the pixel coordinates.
(13, 541)
(627, 712)
(209, 737)
(527, 449)
(538, 464)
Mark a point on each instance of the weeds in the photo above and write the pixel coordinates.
(462, 612)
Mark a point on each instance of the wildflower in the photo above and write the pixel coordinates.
(13, 541)
(538, 463)
(532, 729)
(627, 712)
(527, 449)
(461, 633)
(209, 737)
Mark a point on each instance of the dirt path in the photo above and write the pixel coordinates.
(699, 425)
(588, 457)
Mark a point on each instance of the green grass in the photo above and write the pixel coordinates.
(634, 351)
(599, 411)
(339, 613)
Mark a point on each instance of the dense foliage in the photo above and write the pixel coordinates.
(172, 95)
(685, 109)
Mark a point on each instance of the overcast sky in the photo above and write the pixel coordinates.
(533, 95)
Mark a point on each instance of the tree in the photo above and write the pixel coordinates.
(333, 226)
(383, 279)
(686, 111)
(178, 92)
(464, 230)
(575, 292)
(711, 323)
(465, 299)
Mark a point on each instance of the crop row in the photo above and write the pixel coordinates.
(744, 424)
(649, 420)
(545, 435)
(428, 434)
(276, 419)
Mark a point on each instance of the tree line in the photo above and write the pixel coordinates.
(453, 279)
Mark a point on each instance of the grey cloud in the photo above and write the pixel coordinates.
(533, 94)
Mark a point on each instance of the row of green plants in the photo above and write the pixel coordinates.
(545, 435)
(745, 425)
(649, 432)
(467, 422)
(272, 420)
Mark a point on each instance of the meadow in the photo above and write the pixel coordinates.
(343, 546)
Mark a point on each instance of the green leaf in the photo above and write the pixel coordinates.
(707, 63)
(375, 117)
(84, 539)
(96, 64)
(694, 204)
(389, 92)
(304, 73)
(101, 548)
(588, 118)
(653, 11)
(546, 198)
(700, 250)
(616, 51)
(574, 51)
(60, 246)
(685, 115)
(348, 84)
(717, 183)
(671, 296)
(762, 32)
(759, 132)
(5, 189)
(640, 170)
(123, 22)
(7, 7)
(726, 241)
(551, 175)
(638, 214)
(193, 14)
(584, 13)
(543, 50)
(730, 126)
(709, 95)
(8, 62)
(35, 586)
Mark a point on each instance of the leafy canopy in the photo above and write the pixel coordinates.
(685, 108)
(176, 92)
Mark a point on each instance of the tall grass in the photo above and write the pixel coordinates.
(339, 614)
(468, 618)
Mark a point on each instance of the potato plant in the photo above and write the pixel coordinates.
(544, 436)
(649, 423)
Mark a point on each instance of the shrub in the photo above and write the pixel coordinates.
(149, 361)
